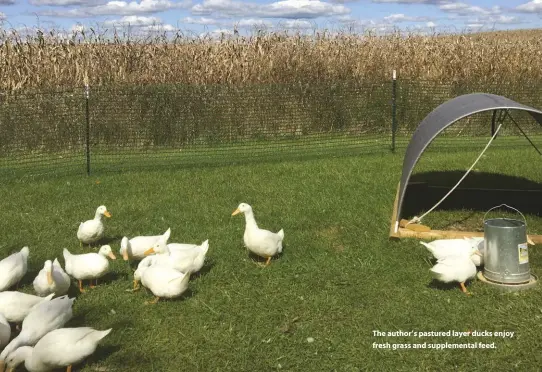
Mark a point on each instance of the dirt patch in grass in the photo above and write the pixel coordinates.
(333, 235)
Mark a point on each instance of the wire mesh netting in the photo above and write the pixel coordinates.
(416, 99)
(214, 123)
(41, 129)
(136, 126)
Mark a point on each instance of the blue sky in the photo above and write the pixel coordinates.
(215, 16)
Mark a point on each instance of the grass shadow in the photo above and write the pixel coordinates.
(79, 318)
(479, 191)
(106, 240)
(28, 278)
(102, 352)
(435, 284)
(207, 267)
(132, 264)
(258, 259)
(73, 291)
(441, 286)
(110, 277)
(149, 296)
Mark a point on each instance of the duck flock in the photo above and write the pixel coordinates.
(43, 343)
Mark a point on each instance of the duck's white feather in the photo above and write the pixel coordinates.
(93, 230)
(13, 268)
(88, 265)
(42, 319)
(15, 306)
(442, 248)
(57, 349)
(135, 248)
(454, 269)
(183, 260)
(163, 281)
(5, 331)
(61, 280)
(261, 242)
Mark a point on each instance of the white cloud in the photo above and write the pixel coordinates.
(217, 33)
(120, 8)
(2, 16)
(200, 21)
(465, 9)
(63, 2)
(159, 28)
(134, 21)
(77, 28)
(501, 19)
(396, 18)
(431, 24)
(296, 24)
(343, 1)
(278, 9)
(254, 23)
(349, 20)
(534, 6)
(433, 2)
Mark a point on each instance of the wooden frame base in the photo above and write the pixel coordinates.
(417, 231)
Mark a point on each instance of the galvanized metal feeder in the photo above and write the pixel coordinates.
(506, 253)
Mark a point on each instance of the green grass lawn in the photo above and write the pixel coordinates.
(339, 279)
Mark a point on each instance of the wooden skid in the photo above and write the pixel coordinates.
(438, 234)
(447, 234)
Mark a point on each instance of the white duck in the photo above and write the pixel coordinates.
(135, 247)
(456, 268)
(41, 320)
(93, 230)
(5, 331)
(15, 306)
(452, 247)
(163, 282)
(60, 348)
(88, 265)
(183, 260)
(52, 279)
(13, 268)
(263, 243)
(173, 247)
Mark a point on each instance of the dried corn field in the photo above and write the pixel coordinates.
(46, 61)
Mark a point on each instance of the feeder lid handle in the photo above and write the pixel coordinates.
(506, 205)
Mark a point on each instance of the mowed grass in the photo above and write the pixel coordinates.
(339, 278)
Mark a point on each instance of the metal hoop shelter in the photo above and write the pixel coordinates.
(439, 119)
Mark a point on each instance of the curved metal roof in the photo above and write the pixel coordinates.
(442, 117)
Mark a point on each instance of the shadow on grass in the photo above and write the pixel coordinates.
(110, 277)
(453, 286)
(28, 279)
(206, 269)
(479, 191)
(102, 353)
(149, 296)
(79, 318)
(261, 260)
(106, 240)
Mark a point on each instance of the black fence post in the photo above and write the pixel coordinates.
(87, 129)
(393, 110)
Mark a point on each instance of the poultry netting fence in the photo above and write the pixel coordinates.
(92, 129)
